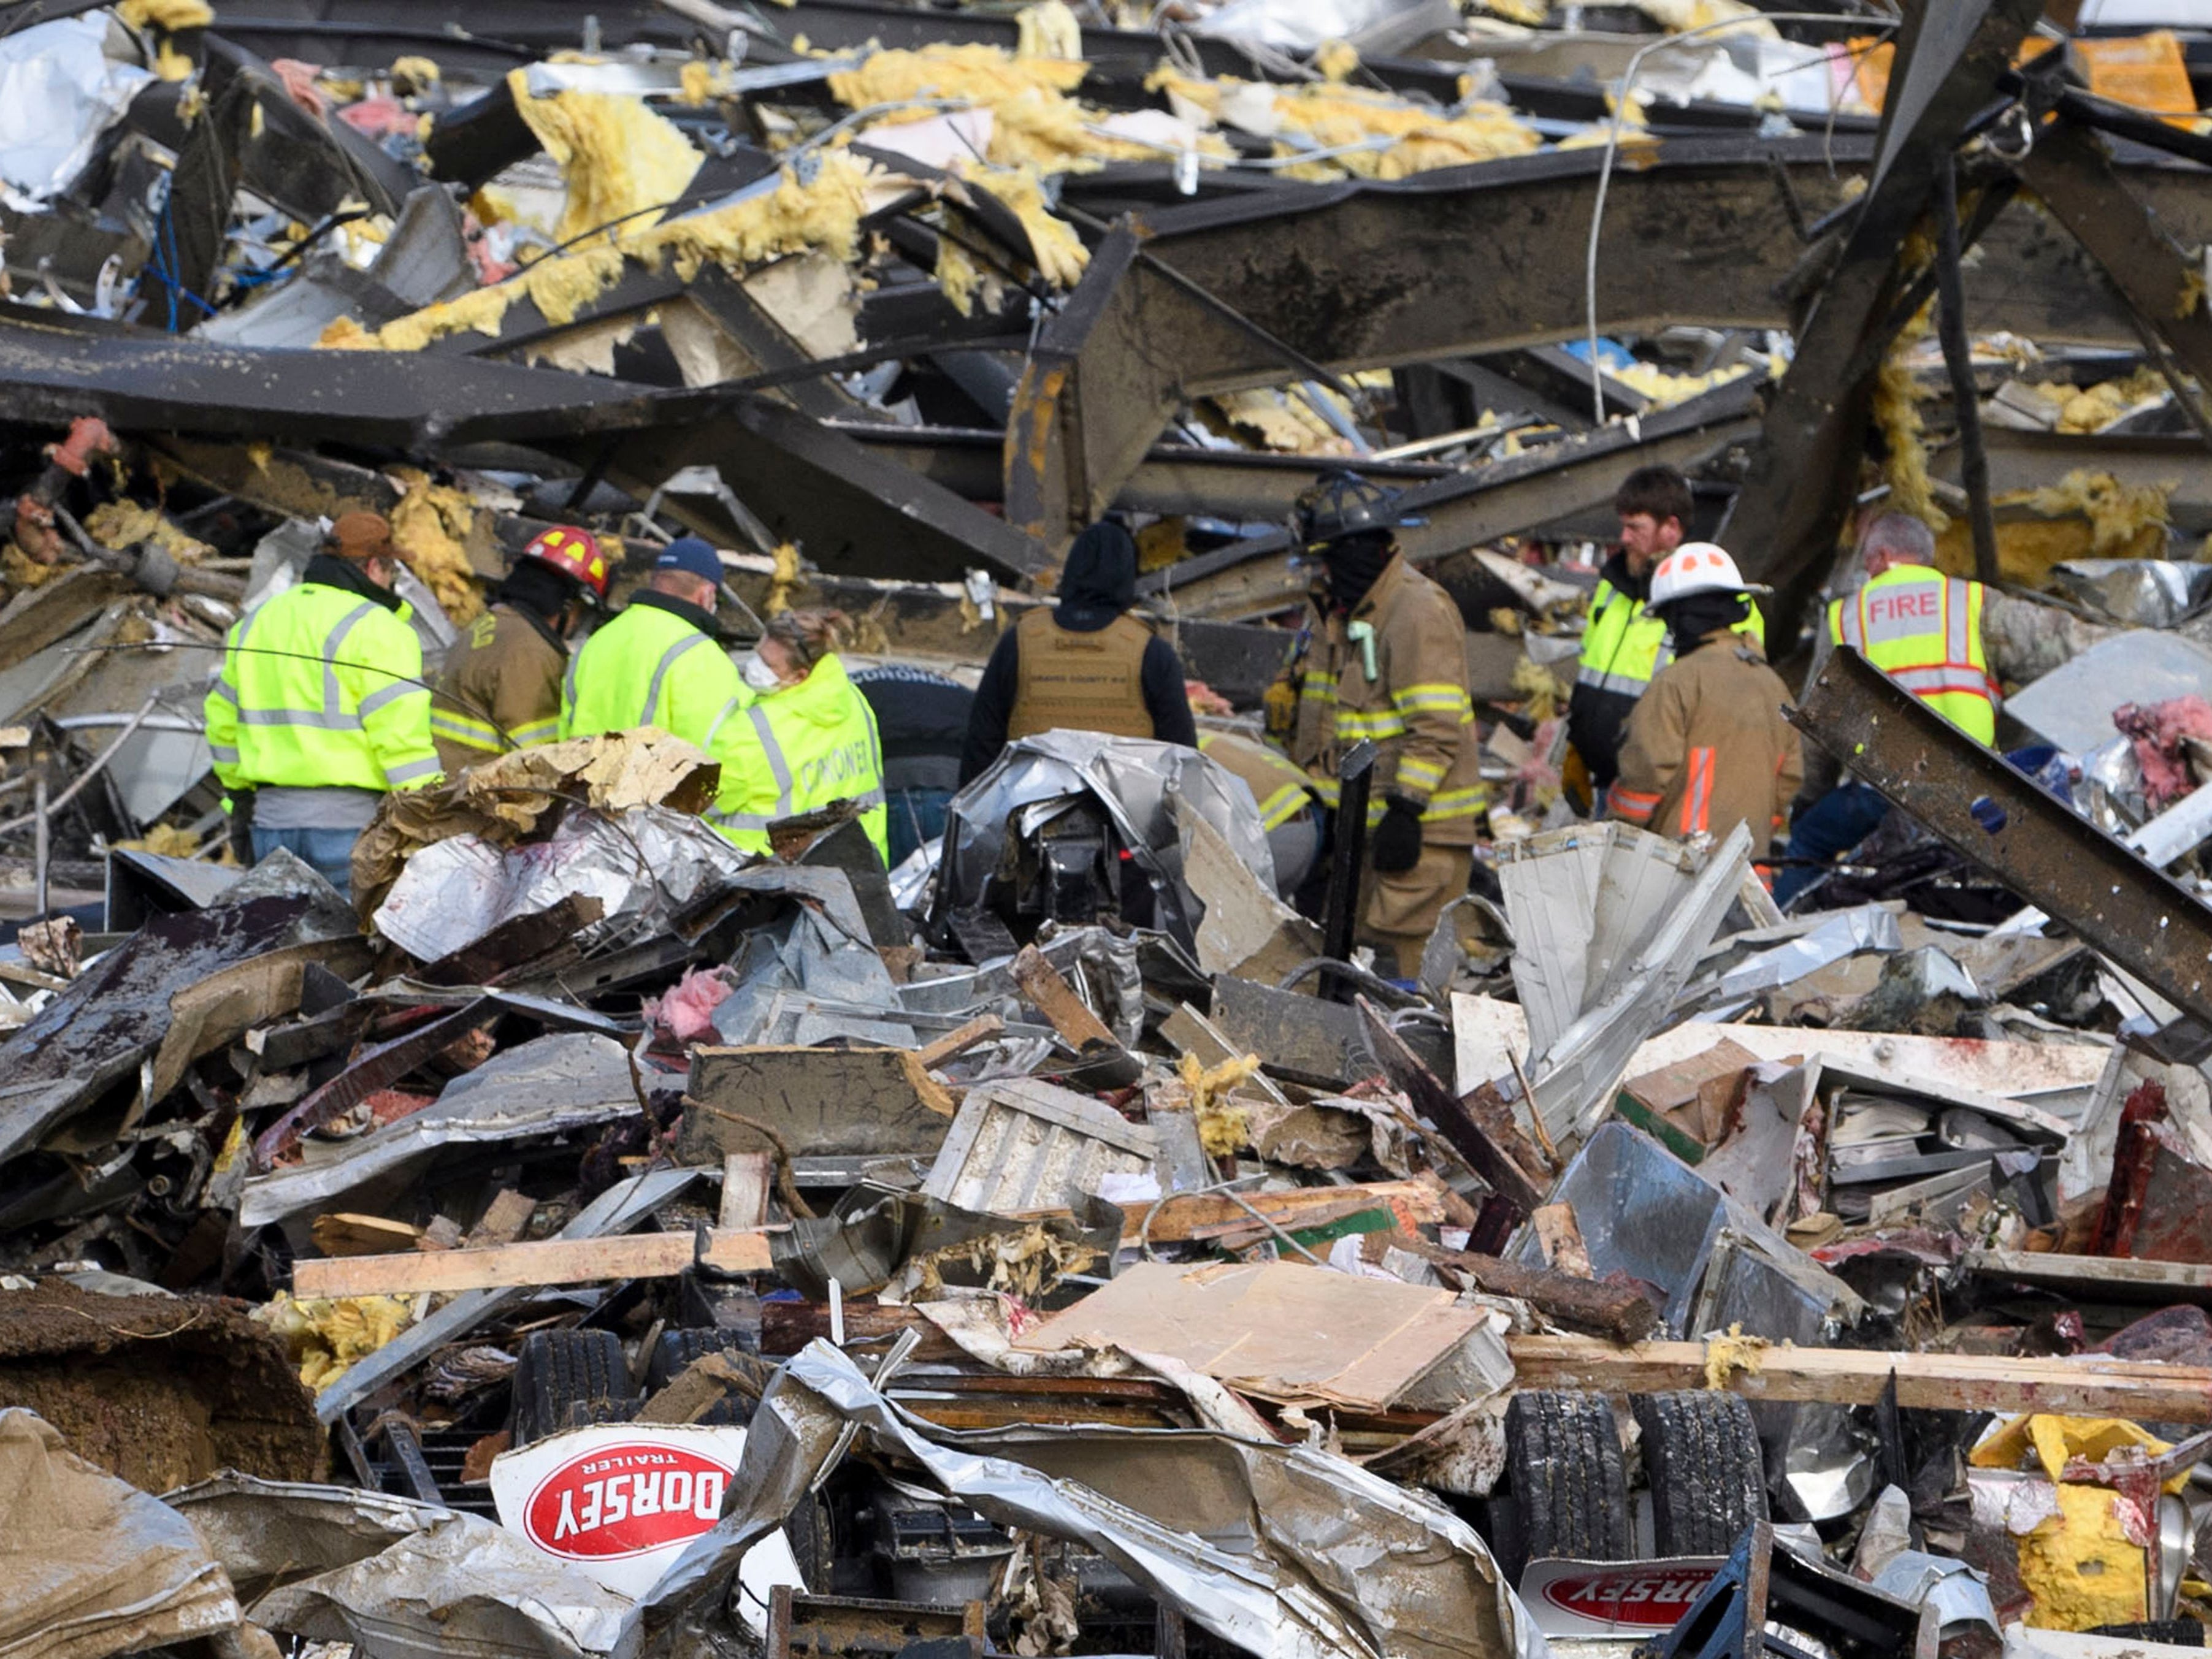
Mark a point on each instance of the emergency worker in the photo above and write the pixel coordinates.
(1085, 665)
(1921, 628)
(1288, 802)
(799, 737)
(1708, 747)
(657, 664)
(1624, 646)
(501, 685)
(922, 718)
(320, 708)
(1386, 659)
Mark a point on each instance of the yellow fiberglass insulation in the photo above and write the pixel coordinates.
(1048, 29)
(959, 278)
(326, 1335)
(789, 219)
(1326, 115)
(430, 526)
(1061, 255)
(1676, 16)
(617, 155)
(1033, 122)
(2118, 513)
(167, 14)
(1897, 412)
(125, 523)
(2092, 408)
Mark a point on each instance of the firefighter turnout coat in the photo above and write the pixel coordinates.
(499, 689)
(1708, 748)
(1395, 670)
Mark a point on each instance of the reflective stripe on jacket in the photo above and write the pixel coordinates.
(648, 667)
(794, 751)
(321, 689)
(1923, 629)
(1280, 790)
(1415, 706)
(499, 688)
(1708, 748)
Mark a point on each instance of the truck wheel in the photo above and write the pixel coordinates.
(1563, 1455)
(1708, 1483)
(566, 1379)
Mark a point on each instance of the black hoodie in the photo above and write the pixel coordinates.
(1098, 583)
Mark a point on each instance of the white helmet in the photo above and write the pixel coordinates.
(1696, 567)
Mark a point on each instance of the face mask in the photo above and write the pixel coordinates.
(758, 674)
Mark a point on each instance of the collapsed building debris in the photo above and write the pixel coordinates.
(1006, 1201)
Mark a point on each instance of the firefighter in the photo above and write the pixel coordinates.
(1708, 747)
(1288, 802)
(1085, 665)
(501, 687)
(657, 664)
(800, 738)
(320, 708)
(1387, 660)
(1624, 646)
(1921, 628)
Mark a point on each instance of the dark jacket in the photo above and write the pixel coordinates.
(922, 718)
(1098, 584)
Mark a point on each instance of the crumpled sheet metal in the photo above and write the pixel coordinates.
(59, 92)
(2148, 593)
(1838, 934)
(643, 865)
(459, 1584)
(89, 1565)
(269, 1533)
(1335, 1563)
(1132, 778)
(534, 1091)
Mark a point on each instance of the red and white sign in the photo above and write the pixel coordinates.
(621, 1501)
(1614, 1598)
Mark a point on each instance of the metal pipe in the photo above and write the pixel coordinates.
(42, 806)
(42, 843)
(1958, 359)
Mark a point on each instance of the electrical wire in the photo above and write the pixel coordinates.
(1622, 89)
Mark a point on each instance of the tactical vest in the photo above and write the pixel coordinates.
(1080, 682)
(1923, 630)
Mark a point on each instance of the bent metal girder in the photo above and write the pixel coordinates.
(1465, 260)
(2040, 847)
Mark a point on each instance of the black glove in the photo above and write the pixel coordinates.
(1393, 846)
(241, 827)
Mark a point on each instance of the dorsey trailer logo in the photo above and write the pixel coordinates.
(624, 1499)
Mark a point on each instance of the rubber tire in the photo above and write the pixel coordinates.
(566, 1379)
(677, 1349)
(1563, 1456)
(809, 1532)
(1701, 1455)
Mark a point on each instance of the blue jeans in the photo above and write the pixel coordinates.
(328, 851)
(1835, 823)
(915, 818)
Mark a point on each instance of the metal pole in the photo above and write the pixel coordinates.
(42, 839)
(1958, 358)
(1355, 777)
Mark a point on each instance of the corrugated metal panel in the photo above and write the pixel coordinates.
(1025, 1145)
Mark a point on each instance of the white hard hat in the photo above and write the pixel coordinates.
(1696, 567)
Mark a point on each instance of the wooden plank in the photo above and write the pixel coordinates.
(1057, 1000)
(954, 1044)
(1560, 1237)
(2088, 1385)
(503, 1220)
(1187, 1215)
(548, 1262)
(2099, 1278)
(340, 1233)
(748, 1178)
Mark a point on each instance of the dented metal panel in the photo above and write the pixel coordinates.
(1024, 1145)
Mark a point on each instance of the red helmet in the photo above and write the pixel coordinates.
(575, 553)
